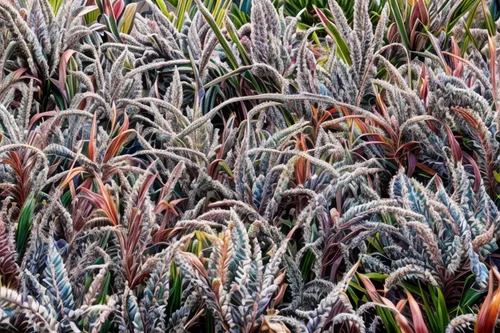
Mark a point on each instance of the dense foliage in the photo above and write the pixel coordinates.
(249, 166)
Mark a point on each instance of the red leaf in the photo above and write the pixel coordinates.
(455, 147)
(416, 313)
(458, 66)
(412, 163)
(63, 64)
(36, 117)
(477, 172)
(488, 314)
(118, 8)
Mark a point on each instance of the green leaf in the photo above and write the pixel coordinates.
(234, 37)
(24, 225)
(400, 22)
(307, 265)
(100, 6)
(111, 25)
(71, 81)
(55, 4)
(376, 276)
(375, 243)
(458, 12)
(223, 42)
(335, 34)
(183, 7)
(469, 297)
(490, 24)
(226, 168)
(353, 296)
(428, 310)
(441, 306)
(90, 14)
(174, 301)
(469, 37)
